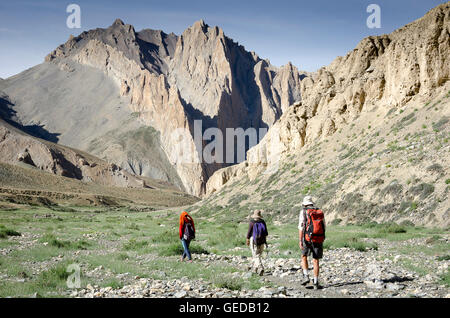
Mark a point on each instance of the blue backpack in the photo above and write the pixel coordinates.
(259, 233)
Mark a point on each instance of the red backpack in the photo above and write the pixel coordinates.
(315, 226)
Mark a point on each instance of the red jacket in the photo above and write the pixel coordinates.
(185, 218)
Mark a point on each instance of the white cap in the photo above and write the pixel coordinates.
(307, 200)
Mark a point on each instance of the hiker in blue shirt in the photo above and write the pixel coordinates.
(256, 239)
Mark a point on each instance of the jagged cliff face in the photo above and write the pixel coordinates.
(171, 81)
(401, 71)
(383, 71)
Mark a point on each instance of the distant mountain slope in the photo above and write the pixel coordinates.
(20, 184)
(80, 107)
(164, 81)
(17, 147)
(35, 171)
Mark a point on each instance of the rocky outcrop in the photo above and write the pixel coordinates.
(382, 71)
(172, 81)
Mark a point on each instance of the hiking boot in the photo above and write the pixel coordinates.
(317, 286)
(305, 280)
(261, 272)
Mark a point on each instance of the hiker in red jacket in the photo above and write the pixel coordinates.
(187, 233)
(310, 245)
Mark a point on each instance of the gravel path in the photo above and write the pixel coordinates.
(344, 273)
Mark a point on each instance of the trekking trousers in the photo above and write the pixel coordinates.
(257, 251)
(186, 251)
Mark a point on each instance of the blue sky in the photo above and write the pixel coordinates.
(310, 34)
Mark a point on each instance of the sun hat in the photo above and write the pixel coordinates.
(307, 201)
(256, 214)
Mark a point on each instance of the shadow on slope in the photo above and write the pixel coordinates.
(8, 114)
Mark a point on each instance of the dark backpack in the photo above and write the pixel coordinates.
(189, 233)
(315, 225)
(259, 233)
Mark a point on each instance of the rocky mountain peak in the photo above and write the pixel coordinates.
(200, 25)
(118, 22)
(203, 32)
(120, 27)
(173, 80)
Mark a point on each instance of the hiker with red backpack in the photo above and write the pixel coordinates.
(311, 230)
(256, 239)
(187, 234)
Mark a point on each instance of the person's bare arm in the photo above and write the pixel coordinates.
(300, 238)
(300, 230)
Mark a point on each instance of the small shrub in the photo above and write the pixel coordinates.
(312, 187)
(445, 278)
(5, 232)
(438, 126)
(237, 199)
(408, 119)
(352, 242)
(228, 283)
(133, 245)
(54, 277)
(393, 189)
(114, 284)
(431, 240)
(407, 223)
(370, 224)
(177, 249)
(403, 206)
(423, 189)
(351, 152)
(53, 241)
(391, 111)
(376, 182)
(336, 221)
(133, 226)
(123, 256)
(81, 245)
(392, 228)
(436, 168)
(358, 246)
